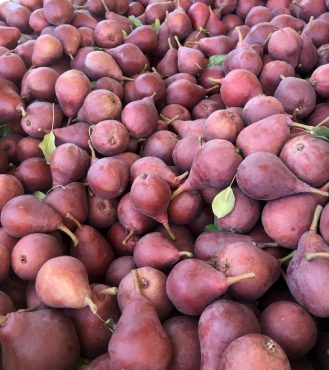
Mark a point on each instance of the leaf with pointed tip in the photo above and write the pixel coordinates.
(156, 25)
(321, 132)
(135, 21)
(47, 145)
(216, 60)
(39, 195)
(5, 130)
(223, 202)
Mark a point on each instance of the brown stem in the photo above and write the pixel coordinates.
(310, 256)
(88, 302)
(234, 279)
(300, 125)
(316, 218)
(128, 237)
(286, 258)
(29, 309)
(135, 278)
(72, 218)
(169, 231)
(170, 43)
(266, 245)
(212, 88)
(92, 151)
(108, 291)
(124, 78)
(68, 232)
(185, 254)
(180, 190)
(239, 34)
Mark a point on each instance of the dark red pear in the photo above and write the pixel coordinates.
(38, 20)
(151, 283)
(70, 37)
(132, 219)
(68, 163)
(276, 179)
(125, 54)
(239, 258)
(12, 67)
(139, 316)
(101, 64)
(206, 171)
(214, 25)
(25, 214)
(145, 37)
(24, 334)
(69, 82)
(168, 64)
(193, 284)
(185, 93)
(161, 145)
(191, 61)
(179, 23)
(108, 177)
(47, 50)
(100, 105)
(9, 36)
(155, 250)
(307, 270)
(58, 11)
(156, 203)
(31, 252)
(94, 251)
(62, 282)
(140, 117)
(39, 84)
(102, 213)
(183, 334)
(40, 118)
(217, 329)
(70, 199)
(199, 14)
(11, 106)
(185, 151)
(77, 133)
(118, 269)
(10, 187)
(108, 34)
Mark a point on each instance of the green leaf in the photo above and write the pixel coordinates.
(47, 145)
(39, 194)
(135, 21)
(5, 130)
(212, 227)
(216, 60)
(321, 132)
(156, 25)
(223, 202)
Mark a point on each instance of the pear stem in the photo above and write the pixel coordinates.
(170, 43)
(300, 125)
(68, 232)
(170, 120)
(216, 80)
(92, 151)
(316, 218)
(135, 277)
(105, 6)
(286, 258)
(177, 40)
(124, 78)
(91, 304)
(266, 245)
(185, 254)
(22, 110)
(128, 237)
(234, 279)
(3, 319)
(29, 309)
(169, 231)
(319, 192)
(108, 291)
(182, 176)
(72, 218)
(239, 34)
(211, 88)
(310, 256)
(70, 55)
(323, 122)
